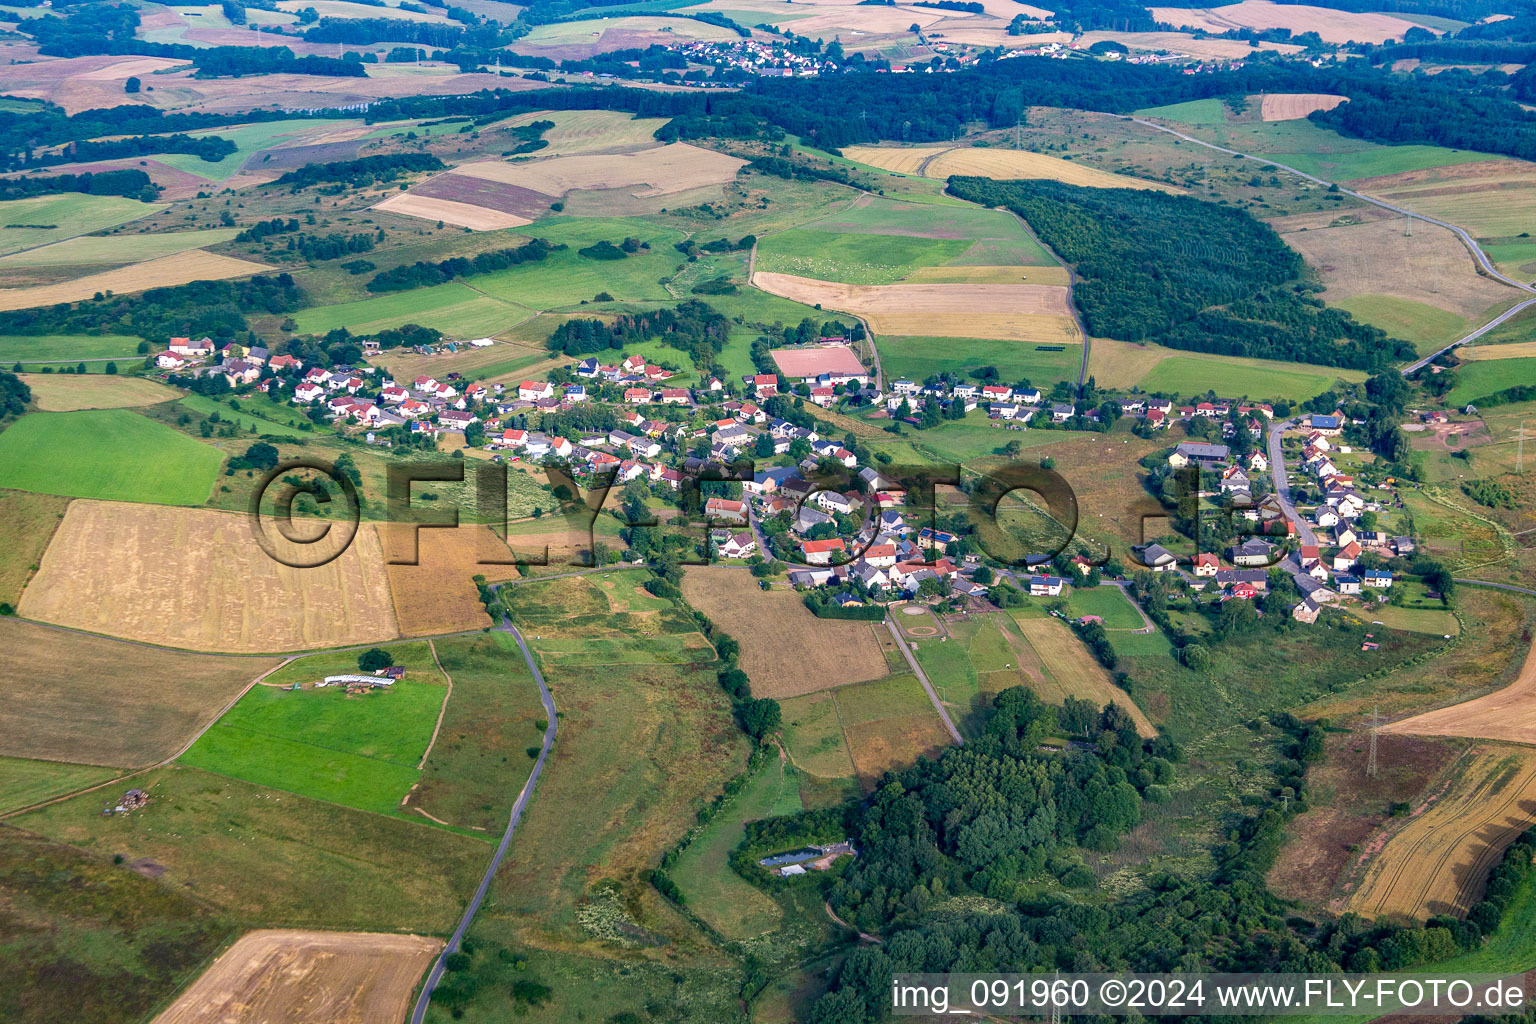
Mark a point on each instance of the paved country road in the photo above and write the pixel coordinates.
(1485, 264)
(1282, 481)
(436, 974)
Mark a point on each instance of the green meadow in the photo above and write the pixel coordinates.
(59, 348)
(1109, 603)
(1189, 112)
(360, 751)
(454, 308)
(1196, 374)
(917, 358)
(41, 220)
(24, 783)
(250, 138)
(1483, 377)
(1428, 327)
(123, 248)
(114, 454)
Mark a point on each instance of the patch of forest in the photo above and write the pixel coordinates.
(1186, 274)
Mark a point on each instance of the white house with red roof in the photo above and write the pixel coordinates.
(533, 390)
(821, 552)
(307, 392)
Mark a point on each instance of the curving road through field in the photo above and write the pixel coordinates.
(1485, 265)
(435, 975)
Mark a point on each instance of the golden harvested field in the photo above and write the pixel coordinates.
(63, 392)
(1017, 312)
(178, 268)
(196, 578)
(464, 215)
(438, 595)
(1010, 299)
(27, 521)
(90, 700)
(662, 170)
(1515, 350)
(299, 977)
(1373, 256)
(590, 131)
(785, 650)
(960, 274)
(1507, 714)
(1333, 26)
(1438, 862)
(1045, 330)
(1292, 106)
(902, 160)
(941, 162)
(1073, 672)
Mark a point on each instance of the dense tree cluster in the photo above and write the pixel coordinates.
(332, 246)
(1185, 273)
(421, 274)
(267, 228)
(14, 395)
(693, 326)
(363, 171)
(214, 308)
(134, 184)
(211, 148)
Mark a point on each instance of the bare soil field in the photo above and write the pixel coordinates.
(300, 977)
(1333, 26)
(1292, 106)
(1044, 330)
(785, 650)
(942, 161)
(288, 158)
(1507, 714)
(438, 595)
(90, 700)
(1373, 256)
(464, 215)
(661, 170)
(1479, 170)
(55, 392)
(196, 578)
(1073, 671)
(179, 268)
(1437, 863)
(490, 195)
(77, 83)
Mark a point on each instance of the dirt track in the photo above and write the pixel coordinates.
(300, 977)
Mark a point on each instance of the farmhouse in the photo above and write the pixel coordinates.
(820, 552)
(1197, 453)
(353, 679)
(1046, 586)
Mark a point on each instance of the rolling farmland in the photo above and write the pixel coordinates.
(295, 977)
(109, 453)
(1438, 861)
(194, 578)
(828, 652)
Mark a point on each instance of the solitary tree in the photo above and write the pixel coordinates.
(373, 659)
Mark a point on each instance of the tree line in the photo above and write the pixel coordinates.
(422, 274)
(363, 171)
(214, 308)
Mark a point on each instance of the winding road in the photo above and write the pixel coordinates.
(1485, 265)
(418, 1015)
